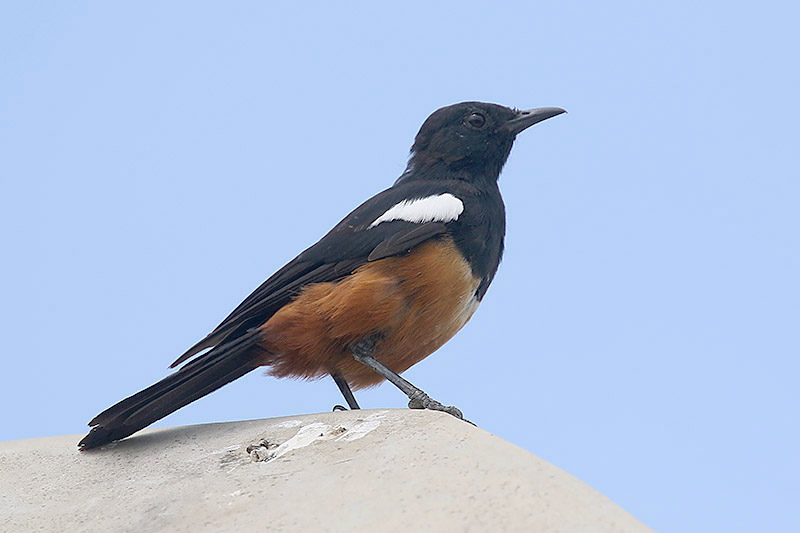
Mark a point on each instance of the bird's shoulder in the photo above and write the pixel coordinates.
(406, 214)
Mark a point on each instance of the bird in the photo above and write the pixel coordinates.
(382, 290)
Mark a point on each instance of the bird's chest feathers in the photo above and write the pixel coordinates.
(438, 290)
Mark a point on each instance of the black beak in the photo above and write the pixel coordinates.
(526, 119)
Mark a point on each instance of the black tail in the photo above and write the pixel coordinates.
(205, 374)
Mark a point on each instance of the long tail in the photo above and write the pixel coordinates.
(205, 374)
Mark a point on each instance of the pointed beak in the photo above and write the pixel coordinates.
(526, 119)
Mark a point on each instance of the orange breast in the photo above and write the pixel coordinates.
(416, 302)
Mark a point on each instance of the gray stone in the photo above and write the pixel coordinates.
(371, 470)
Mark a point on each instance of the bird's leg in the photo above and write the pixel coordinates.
(346, 392)
(363, 352)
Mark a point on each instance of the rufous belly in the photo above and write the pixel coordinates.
(414, 303)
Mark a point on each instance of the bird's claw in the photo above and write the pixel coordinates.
(423, 401)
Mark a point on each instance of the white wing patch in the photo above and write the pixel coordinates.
(440, 208)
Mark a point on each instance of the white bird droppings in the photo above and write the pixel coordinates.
(361, 429)
(288, 424)
(317, 431)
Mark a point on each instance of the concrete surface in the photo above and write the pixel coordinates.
(346, 471)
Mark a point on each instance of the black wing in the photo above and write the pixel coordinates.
(349, 245)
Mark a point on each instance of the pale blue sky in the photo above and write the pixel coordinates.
(159, 160)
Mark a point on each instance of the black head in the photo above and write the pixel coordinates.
(470, 141)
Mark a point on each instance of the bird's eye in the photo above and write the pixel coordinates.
(476, 120)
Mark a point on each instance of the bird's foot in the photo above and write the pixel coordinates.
(362, 352)
(420, 400)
